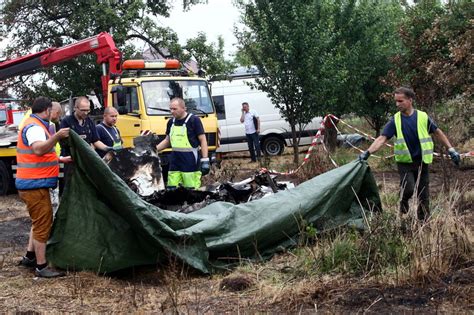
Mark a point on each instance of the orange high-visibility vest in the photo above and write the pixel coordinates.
(30, 165)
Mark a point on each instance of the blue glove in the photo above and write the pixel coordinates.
(205, 166)
(364, 156)
(455, 157)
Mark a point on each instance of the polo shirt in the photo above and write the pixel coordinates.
(86, 131)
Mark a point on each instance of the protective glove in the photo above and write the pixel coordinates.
(364, 156)
(108, 149)
(205, 166)
(454, 155)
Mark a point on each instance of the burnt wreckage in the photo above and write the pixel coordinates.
(140, 168)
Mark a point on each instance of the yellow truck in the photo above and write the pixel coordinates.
(142, 99)
(141, 93)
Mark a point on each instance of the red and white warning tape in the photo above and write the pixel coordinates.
(319, 138)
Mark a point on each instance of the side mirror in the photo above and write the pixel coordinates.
(119, 93)
(123, 110)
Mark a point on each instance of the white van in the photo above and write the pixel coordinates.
(275, 132)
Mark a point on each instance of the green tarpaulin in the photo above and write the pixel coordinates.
(102, 225)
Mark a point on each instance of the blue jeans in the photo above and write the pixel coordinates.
(254, 145)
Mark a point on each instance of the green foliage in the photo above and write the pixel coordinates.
(437, 51)
(381, 250)
(317, 57)
(342, 255)
(210, 57)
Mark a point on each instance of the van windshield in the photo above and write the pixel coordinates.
(157, 96)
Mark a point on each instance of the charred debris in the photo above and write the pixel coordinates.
(140, 168)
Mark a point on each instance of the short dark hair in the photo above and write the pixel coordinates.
(40, 104)
(244, 103)
(408, 92)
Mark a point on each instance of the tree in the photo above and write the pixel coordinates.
(376, 25)
(437, 56)
(34, 26)
(317, 57)
(276, 41)
(210, 57)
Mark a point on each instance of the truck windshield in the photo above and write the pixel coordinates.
(157, 96)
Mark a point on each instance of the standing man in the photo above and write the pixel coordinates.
(56, 111)
(83, 125)
(108, 133)
(37, 172)
(185, 134)
(413, 149)
(251, 122)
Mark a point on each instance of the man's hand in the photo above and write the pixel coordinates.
(364, 156)
(205, 166)
(454, 155)
(62, 133)
(65, 159)
(108, 149)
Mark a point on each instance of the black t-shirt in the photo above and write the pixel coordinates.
(193, 126)
(87, 131)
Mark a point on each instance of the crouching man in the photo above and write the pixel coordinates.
(37, 172)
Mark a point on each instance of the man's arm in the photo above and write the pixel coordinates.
(377, 144)
(258, 124)
(42, 147)
(242, 117)
(441, 137)
(163, 144)
(100, 146)
(203, 143)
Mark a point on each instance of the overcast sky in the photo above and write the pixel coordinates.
(215, 18)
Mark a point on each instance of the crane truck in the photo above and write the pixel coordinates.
(139, 89)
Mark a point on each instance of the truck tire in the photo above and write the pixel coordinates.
(273, 146)
(4, 179)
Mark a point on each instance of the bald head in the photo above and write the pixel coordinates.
(110, 110)
(110, 116)
(56, 111)
(178, 108)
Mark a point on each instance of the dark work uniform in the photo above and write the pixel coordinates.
(86, 131)
(183, 161)
(110, 136)
(417, 171)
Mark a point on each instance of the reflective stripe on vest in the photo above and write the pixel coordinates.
(402, 154)
(115, 144)
(179, 137)
(31, 166)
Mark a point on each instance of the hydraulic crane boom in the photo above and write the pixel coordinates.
(102, 45)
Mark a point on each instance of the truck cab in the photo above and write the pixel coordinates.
(145, 107)
(142, 97)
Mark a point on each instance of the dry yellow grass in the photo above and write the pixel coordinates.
(439, 277)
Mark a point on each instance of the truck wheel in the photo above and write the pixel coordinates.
(273, 146)
(4, 179)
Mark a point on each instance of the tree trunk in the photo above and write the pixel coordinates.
(295, 145)
(330, 139)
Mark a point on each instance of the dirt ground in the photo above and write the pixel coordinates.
(153, 289)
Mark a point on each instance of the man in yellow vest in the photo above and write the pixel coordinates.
(37, 173)
(185, 135)
(413, 149)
